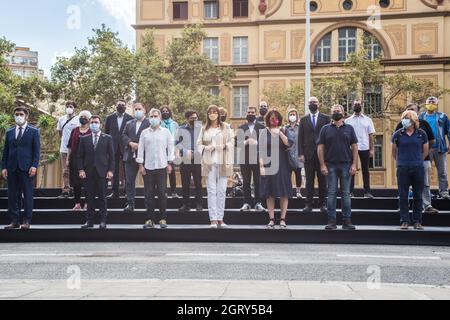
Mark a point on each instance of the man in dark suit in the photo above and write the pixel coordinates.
(114, 126)
(20, 162)
(96, 166)
(247, 142)
(309, 131)
(130, 141)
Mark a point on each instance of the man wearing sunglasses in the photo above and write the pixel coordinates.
(19, 166)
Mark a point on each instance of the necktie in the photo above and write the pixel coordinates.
(19, 136)
(314, 121)
(95, 141)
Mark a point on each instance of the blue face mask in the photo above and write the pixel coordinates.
(95, 127)
(406, 123)
(139, 114)
(154, 122)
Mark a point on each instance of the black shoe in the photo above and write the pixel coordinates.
(347, 225)
(113, 196)
(63, 195)
(323, 209)
(12, 226)
(307, 209)
(103, 226)
(368, 195)
(199, 207)
(331, 225)
(129, 208)
(87, 225)
(184, 208)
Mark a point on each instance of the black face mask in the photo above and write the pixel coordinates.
(263, 110)
(337, 116)
(84, 121)
(165, 115)
(357, 108)
(121, 109)
(251, 118)
(223, 118)
(313, 107)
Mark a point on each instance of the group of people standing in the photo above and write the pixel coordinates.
(151, 144)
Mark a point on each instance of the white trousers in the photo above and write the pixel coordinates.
(217, 189)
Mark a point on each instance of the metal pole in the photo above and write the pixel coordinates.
(308, 56)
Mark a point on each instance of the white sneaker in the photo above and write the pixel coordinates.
(222, 225)
(213, 226)
(259, 208)
(246, 207)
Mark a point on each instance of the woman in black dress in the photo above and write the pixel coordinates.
(274, 166)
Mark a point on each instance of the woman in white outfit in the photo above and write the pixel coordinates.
(215, 142)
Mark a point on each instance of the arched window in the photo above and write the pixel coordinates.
(323, 50)
(372, 45)
(347, 42)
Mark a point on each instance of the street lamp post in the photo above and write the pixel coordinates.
(308, 56)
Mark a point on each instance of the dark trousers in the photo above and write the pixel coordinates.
(19, 182)
(155, 184)
(172, 181)
(77, 194)
(186, 171)
(298, 177)
(247, 171)
(410, 176)
(364, 157)
(116, 179)
(95, 185)
(312, 169)
(131, 171)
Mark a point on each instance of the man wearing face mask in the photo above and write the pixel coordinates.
(338, 156)
(114, 126)
(155, 158)
(172, 126)
(263, 109)
(247, 142)
(130, 141)
(308, 136)
(440, 125)
(19, 166)
(95, 166)
(65, 126)
(364, 130)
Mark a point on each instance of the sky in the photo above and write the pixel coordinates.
(55, 27)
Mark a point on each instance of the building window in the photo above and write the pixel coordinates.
(211, 49)
(214, 91)
(347, 102)
(384, 3)
(323, 50)
(377, 160)
(347, 5)
(347, 42)
(240, 50)
(313, 6)
(240, 101)
(372, 46)
(372, 100)
(180, 10)
(240, 8)
(211, 9)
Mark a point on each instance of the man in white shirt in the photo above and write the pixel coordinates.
(155, 158)
(65, 126)
(364, 130)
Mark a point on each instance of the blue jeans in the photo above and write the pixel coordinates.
(410, 176)
(339, 173)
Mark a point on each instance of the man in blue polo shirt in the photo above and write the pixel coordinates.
(338, 155)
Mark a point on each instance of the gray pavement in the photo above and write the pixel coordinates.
(222, 271)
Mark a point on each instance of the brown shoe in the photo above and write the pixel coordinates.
(347, 225)
(12, 226)
(404, 226)
(418, 226)
(431, 210)
(25, 226)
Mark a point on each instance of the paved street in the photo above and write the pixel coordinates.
(222, 271)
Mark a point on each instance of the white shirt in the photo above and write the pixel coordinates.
(363, 126)
(316, 115)
(72, 124)
(156, 146)
(138, 126)
(119, 120)
(23, 129)
(93, 137)
(251, 127)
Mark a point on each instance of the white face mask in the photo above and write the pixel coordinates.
(20, 120)
(293, 118)
(70, 111)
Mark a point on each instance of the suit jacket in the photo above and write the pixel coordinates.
(243, 135)
(308, 137)
(114, 131)
(22, 154)
(129, 135)
(101, 159)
